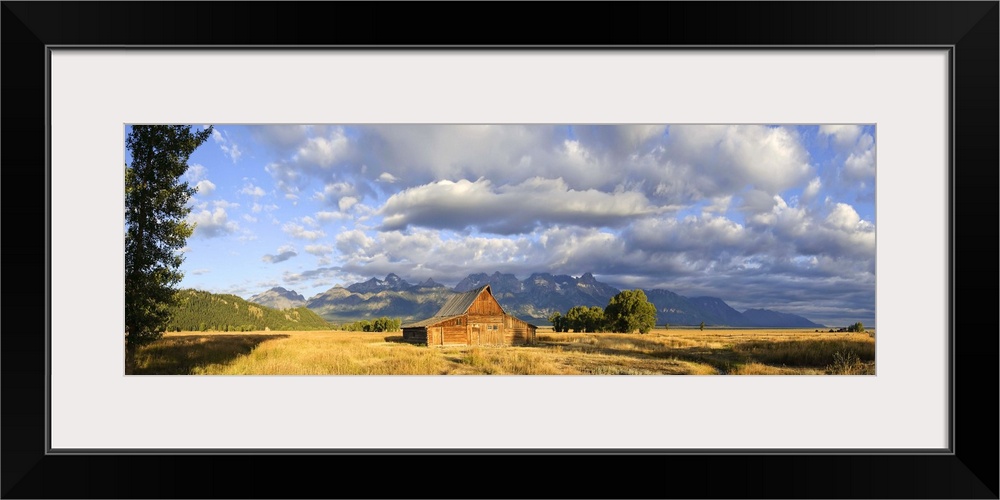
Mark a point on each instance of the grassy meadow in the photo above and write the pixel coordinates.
(676, 351)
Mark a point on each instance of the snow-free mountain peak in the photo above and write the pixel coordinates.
(279, 298)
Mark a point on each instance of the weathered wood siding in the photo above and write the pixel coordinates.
(454, 331)
(433, 335)
(519, 332)
(487, 329)
(483, 319)
(485, 304)
(486, 334)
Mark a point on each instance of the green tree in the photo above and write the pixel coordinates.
(595, 321)
(629, 311)
(584, 319)
(575, 319)
(558, 322)
(702, 326)
(155, 227)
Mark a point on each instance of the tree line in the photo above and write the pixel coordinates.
(381, 324)
(858, 327)
(626, 312)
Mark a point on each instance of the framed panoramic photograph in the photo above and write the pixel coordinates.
(505, 249)
(716, 252)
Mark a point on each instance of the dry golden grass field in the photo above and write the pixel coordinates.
(661, 352)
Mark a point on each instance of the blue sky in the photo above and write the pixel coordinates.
(781, 217)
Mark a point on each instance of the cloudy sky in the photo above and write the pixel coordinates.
(781, 217)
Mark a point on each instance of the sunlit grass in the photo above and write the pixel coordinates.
(661, 352)
(333, 353)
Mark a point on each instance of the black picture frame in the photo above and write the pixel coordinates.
(970, 470)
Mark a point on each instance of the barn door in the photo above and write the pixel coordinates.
(477, 334)
(485, 334)
(493, 335)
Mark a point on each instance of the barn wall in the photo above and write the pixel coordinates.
(455, 331)
(520, 332)
(415, 335)
(485, 319)
(486, 329)
(508, 330)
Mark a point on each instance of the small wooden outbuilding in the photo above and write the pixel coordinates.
(471, 318)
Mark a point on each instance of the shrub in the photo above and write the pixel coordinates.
(848, 363)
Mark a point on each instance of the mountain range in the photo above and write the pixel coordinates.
(534, 299)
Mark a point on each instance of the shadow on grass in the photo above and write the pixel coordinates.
(180, 354)
(807, 353)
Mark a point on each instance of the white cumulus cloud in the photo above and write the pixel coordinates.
(211, 224)
(346, 203)
(298, 231)
(255, 191)
(205, 187)
(196, 172)
(812, 189)
(509, 209)
(387, 177)
(843, 136)
(319, 250)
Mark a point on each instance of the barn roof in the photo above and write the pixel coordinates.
(429, 321)
(457, 305)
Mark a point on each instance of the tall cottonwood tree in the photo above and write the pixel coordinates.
(629, 311)
(155, 227)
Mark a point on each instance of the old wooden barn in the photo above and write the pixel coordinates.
(471, 318)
